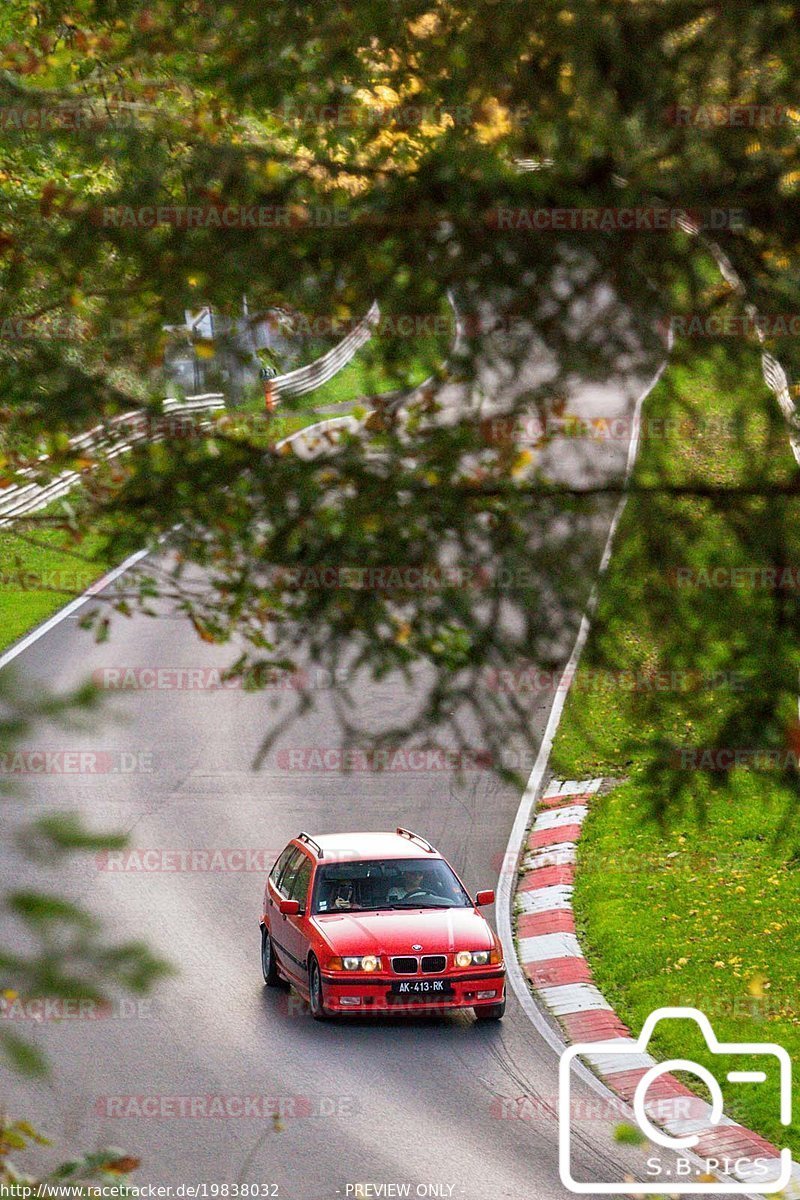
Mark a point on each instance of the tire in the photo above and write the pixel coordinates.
(315, 998)
(269, 967)
(490, 1012)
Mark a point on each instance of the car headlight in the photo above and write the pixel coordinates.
(474, 958)
(365, 962)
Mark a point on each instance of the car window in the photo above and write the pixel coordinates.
(292, 869)
(289, 867)
(281, 863)
(297, 888)
(386, 884)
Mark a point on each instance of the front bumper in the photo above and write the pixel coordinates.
(468, 989)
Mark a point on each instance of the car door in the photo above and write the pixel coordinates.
(284, 868)
(294, 929)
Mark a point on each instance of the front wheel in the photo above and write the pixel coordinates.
(269, 967)
(315, 991)
(490, 1012)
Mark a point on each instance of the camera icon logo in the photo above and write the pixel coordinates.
(682, 1171)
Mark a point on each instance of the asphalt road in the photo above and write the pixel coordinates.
(407, 1101)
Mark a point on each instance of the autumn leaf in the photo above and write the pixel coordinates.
(46, 198)
(122, 1166)
(202, 632)
(755, 986)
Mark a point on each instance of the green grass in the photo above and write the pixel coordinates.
(687, 891)
(368, 375)
(43, 567)
(36, 580)
(704, 918)
(373, 371)
(282, 425)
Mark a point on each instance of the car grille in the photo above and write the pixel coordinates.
(434, 963)
(404, 966)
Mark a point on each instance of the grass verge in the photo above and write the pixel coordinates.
(42, 568)
(372, 372)
(378, 367)
(43, 565)
(689, 880)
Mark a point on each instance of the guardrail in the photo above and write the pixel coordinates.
(317, 439)
(128, 429)
(208, 402)
(124, 431)
(775, 376)
(306, 379)
(313, 440)
(110, 440)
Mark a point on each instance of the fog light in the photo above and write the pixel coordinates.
(486, 995)
(355, 999)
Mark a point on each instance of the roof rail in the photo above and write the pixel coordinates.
(304, 837)
(414, 837)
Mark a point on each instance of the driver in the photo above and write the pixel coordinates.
(412, 881)
(344, 896)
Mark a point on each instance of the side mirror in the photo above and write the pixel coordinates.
(289, 908)
(484, 898)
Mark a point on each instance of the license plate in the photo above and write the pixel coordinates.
(422, 987)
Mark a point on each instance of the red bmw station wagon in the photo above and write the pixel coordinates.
(376, 922)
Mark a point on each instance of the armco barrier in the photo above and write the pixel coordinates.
(306, 379)
(208, 402)
(22, 499)
(107, 441)
(314, 440)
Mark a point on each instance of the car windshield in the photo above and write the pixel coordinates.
(382, 885)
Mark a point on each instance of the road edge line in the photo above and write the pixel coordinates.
(507, 883)
(527, 805)
(49, 623)
(111, 576)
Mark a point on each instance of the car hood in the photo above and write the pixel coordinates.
(438, 931)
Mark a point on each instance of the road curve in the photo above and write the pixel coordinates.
(407, 1101)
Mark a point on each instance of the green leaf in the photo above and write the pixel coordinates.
(38, 908)
(23, 1057)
